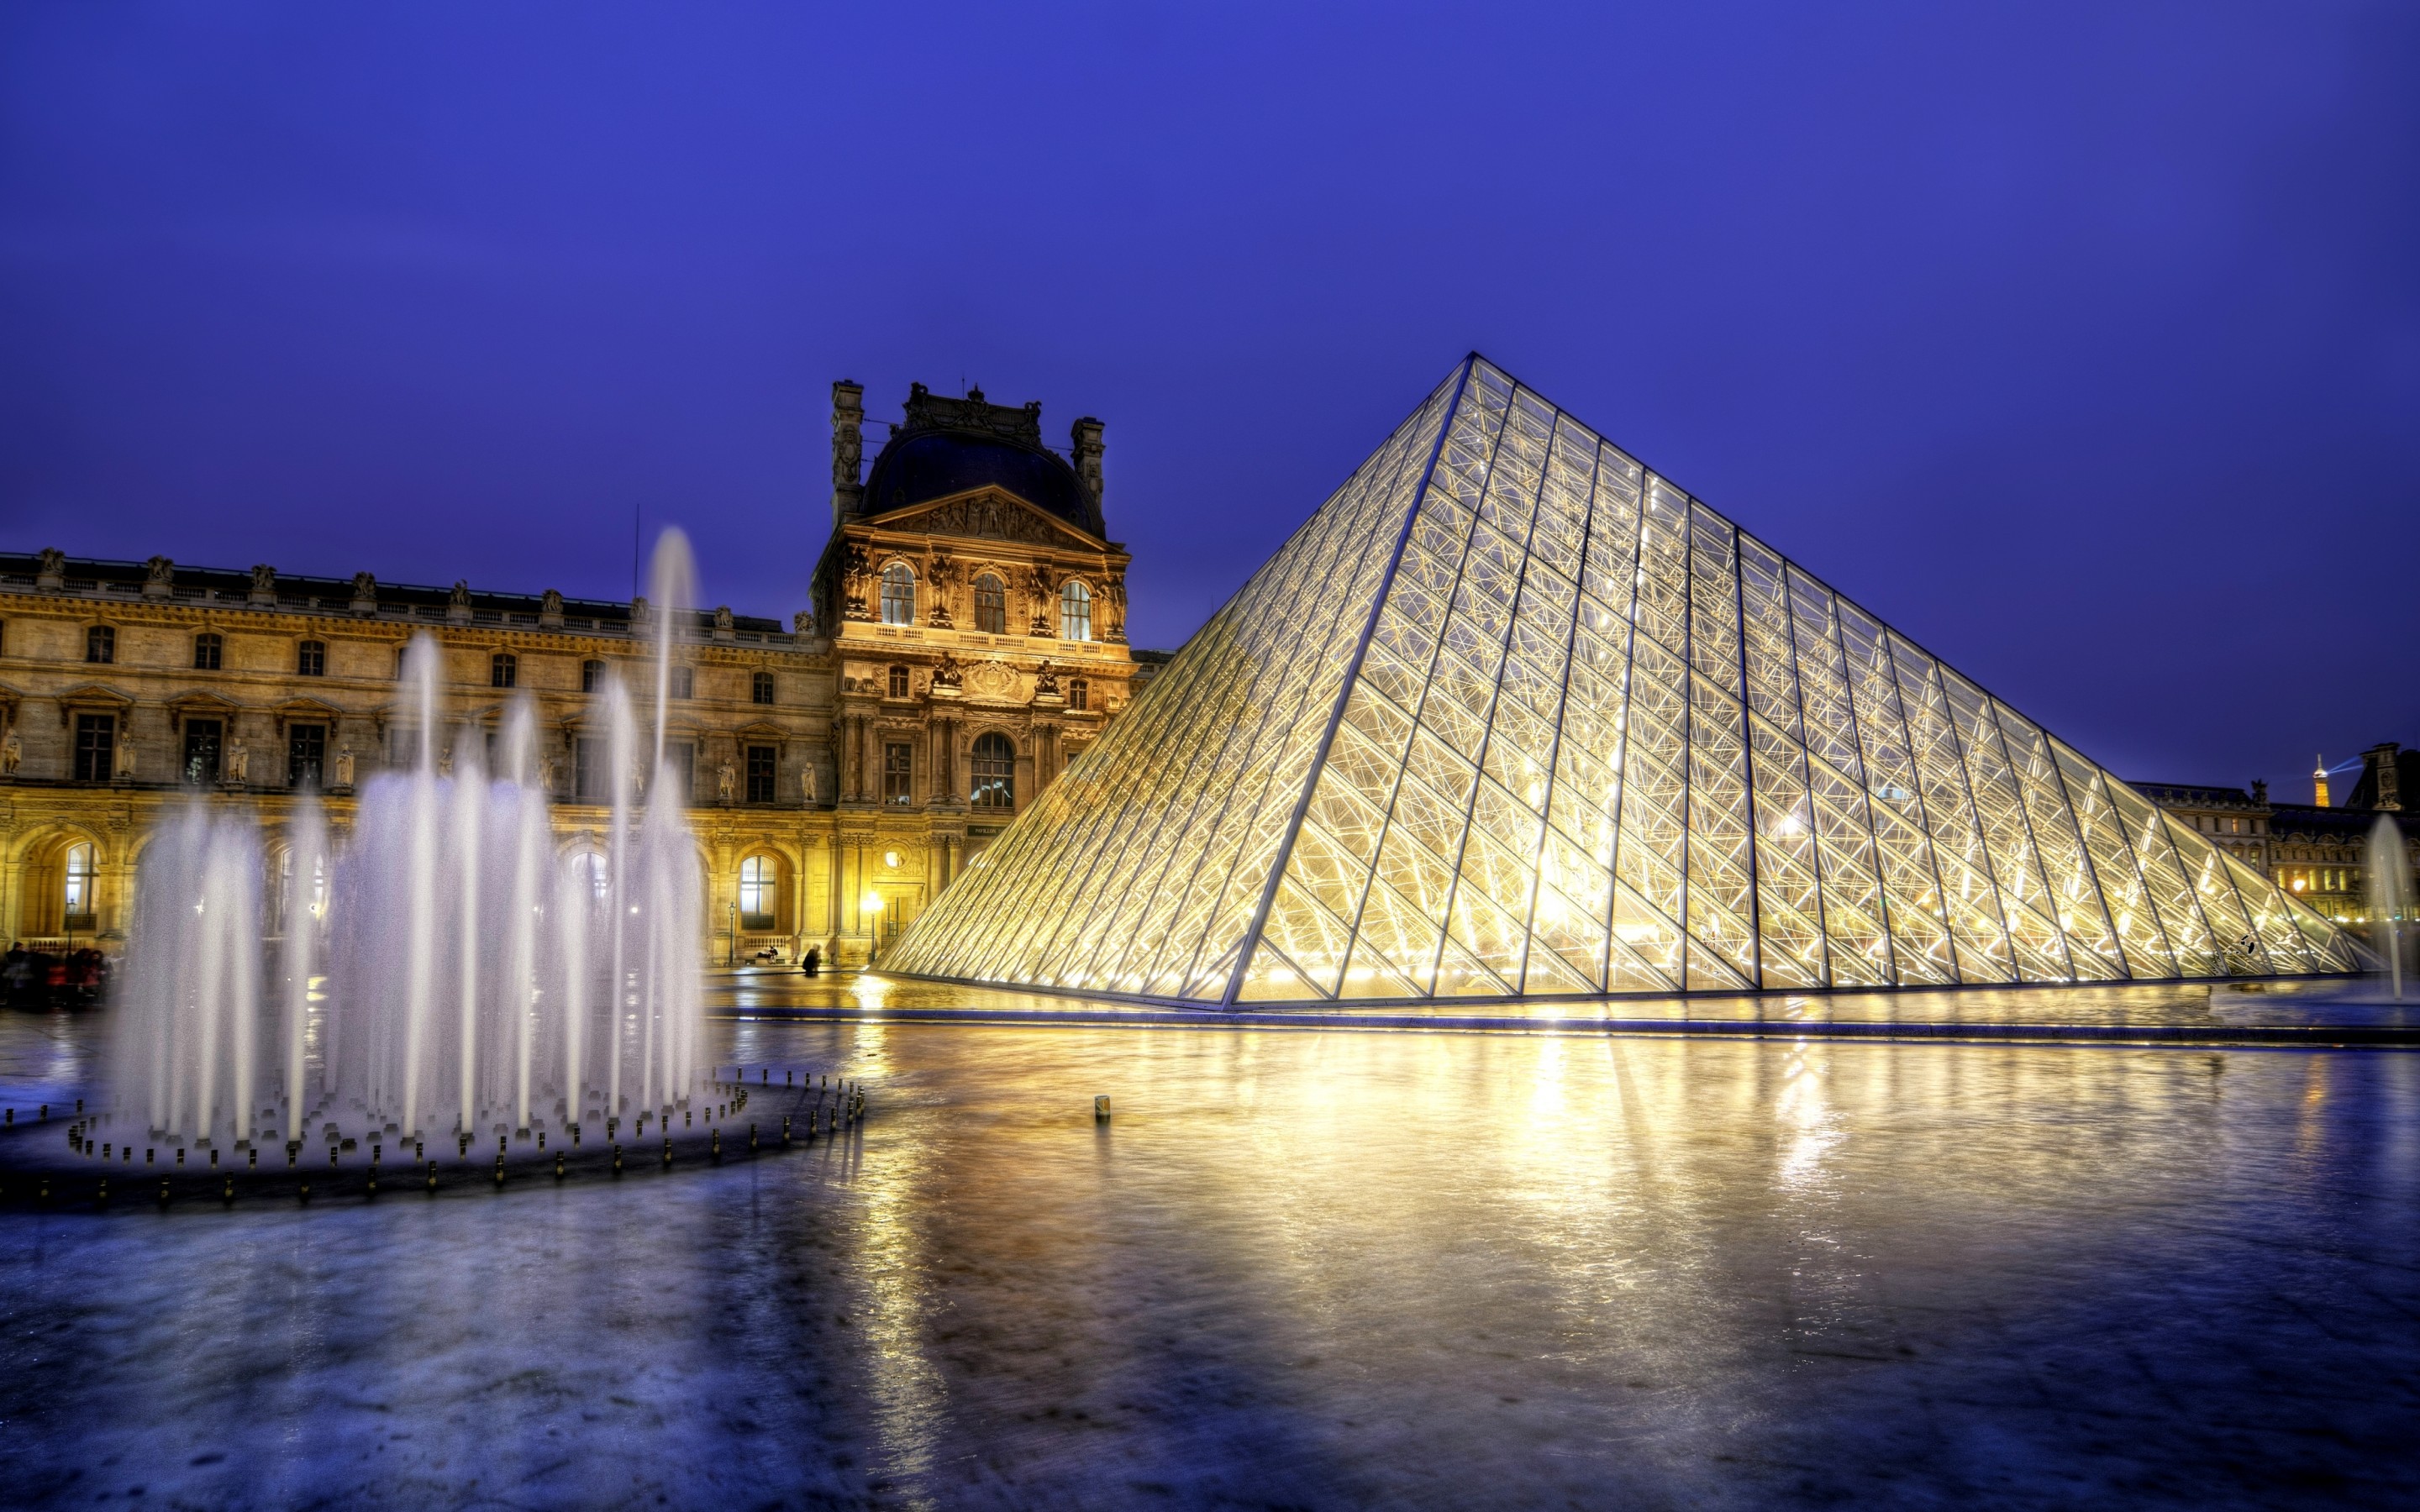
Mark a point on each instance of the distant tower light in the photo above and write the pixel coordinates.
(2319, 781)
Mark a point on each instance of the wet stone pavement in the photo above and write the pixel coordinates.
(1308, 1268)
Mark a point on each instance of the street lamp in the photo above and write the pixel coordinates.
(731, 957)
(872, 903)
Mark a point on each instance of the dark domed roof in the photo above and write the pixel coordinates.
(952, 446)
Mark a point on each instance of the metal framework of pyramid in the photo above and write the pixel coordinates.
(1511, 716)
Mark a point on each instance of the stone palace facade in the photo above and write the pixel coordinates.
(967, 642)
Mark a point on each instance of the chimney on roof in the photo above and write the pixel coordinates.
(848, 448)
(1085, 442)
(2386, 788)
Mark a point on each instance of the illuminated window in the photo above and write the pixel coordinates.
(991, 606)
(311, 658)
(898, 594)
(504, 669)
(757, 892)
(898, 682)
(898, 773)
(81, 889)
(205, 653)
(1075, 611)
(588, 875)
(1077, 693)
(100, 644)
(994, 768)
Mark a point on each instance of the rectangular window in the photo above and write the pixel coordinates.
(764, 767)
(504, 669)
(307, 754)
(760, 688)
(1078, 696)
(591, 676)
(205, 653)
(96, 747)
(588, 771)
(898, 682)
(684, 681)
(203, 738)
(680, 761)
(311, 658)
(898, 773)
(101, 643)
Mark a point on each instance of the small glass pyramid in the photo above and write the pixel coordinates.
(1511, 716)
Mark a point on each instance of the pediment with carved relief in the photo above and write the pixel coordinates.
(989, 514)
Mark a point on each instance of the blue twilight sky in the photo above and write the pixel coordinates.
(2080, 342)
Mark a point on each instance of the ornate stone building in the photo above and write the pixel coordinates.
(975, 610)
(967, 643)
(2317, 851)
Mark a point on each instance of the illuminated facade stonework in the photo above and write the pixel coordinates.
(839, 768)
(1512, 716)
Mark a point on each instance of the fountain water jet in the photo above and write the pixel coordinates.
(332, 1008)
(2390, 901)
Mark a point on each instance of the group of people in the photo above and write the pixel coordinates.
(36, 980)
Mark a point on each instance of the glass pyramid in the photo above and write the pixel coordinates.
(1511, 716)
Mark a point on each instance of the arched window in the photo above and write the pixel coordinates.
(1075, 611)
(992, 605)
(757, 892)
(207, 649)
(898, 594)
(311, 658)
(995, 772)
(591, 676)
(586, 874)
(504, 669)
(82, 876)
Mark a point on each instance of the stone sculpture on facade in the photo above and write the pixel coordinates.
(158, 577)
(942, 573)
(1042, 587)
(238, 765)
(264, 583)
(125, 770)
(947, 673)
(725, 783)
(12, 752)
(854, 565)
(1046, 680)
(343, 767)
(364, 594)
(807, 784)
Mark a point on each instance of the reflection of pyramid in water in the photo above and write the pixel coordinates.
(1511, 715)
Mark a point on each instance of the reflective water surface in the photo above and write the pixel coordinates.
(1299, 1268)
